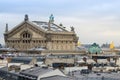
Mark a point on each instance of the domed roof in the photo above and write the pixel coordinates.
(94, 48)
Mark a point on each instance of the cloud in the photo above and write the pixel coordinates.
(111, 33)
(88, 29)
(94, 21)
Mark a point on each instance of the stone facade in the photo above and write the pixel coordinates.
(37, 34)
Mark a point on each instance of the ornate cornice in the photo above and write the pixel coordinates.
(62, 32)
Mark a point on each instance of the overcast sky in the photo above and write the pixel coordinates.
(94, 20)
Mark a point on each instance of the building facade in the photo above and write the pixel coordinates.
(39, 34)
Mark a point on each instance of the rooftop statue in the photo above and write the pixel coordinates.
(26, 18)
(72, 28)
(112, 45)
(51, 18)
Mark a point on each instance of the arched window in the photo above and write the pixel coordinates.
(26, 35)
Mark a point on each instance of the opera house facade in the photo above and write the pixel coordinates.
(39, 34)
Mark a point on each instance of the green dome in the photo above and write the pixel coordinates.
(94, 48)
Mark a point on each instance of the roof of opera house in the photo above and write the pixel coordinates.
(45, 25)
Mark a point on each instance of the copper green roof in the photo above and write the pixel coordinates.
(94, 48)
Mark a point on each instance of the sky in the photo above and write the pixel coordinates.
(94, 20)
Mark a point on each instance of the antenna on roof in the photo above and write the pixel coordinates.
(26, 17)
